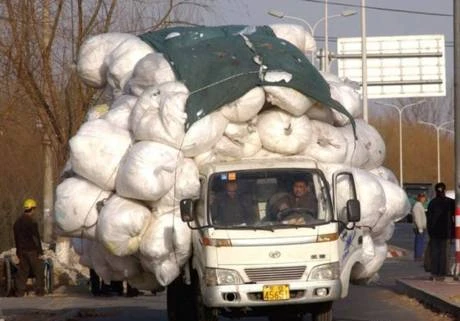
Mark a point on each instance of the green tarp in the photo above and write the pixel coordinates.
(220, 64)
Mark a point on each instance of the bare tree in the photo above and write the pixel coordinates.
(39, 45)
(419, 140)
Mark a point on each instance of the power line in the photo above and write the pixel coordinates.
(426, 13)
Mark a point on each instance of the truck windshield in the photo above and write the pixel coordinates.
(268, 198)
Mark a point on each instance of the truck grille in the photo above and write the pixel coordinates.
(275, 273)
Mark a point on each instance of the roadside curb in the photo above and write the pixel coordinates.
(429, 298)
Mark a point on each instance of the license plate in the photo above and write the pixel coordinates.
(276, 292)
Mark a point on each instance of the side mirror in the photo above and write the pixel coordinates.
(353, 211)
(186, 210)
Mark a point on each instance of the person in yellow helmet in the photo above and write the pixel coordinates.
(28, 249)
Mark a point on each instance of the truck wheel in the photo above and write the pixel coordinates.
(203, 313)
(179, 301)
(322, 312)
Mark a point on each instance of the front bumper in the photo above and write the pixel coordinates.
(251, 295)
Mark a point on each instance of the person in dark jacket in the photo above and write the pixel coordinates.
(439, 225)
(29, 250)
(231, 207)
(302, 197)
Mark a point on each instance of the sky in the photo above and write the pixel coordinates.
(387, 22)
(383, 18)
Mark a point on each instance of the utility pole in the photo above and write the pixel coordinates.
(364, 60)
(61, 244)
(48, 185)
(457, 133)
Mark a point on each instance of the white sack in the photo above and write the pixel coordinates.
(91, 65)
(246, 107)
(385, 234)
(152, 70)
(205, 158)
(83, 248)
(165, 247)
(346, 95)
(165, 270)
(120, 111)
(296, 35)
(111, 267)
(282, 133)
(368, 247)
(204, 134)
(370, 269)
(327, 144)
(357, 154)
(187, 185)
(147, 171)
(397, 205)
(165, 235)
(320, 112)
(372, 142)
(369, 191)
(385, 173)
(122, 59)
(96, 151)
(239, 141)
(75, 211)
(96, 112)
(159, 115)
(77, 244)
(121, 224)
(288, 99)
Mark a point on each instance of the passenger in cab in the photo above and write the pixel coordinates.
(230, 207)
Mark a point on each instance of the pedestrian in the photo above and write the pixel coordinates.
(419, 216)
(439, 225)
(29, 250)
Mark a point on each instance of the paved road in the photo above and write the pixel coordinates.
(375, 302)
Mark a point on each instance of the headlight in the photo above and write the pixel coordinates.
(328, 271)
(222, 277)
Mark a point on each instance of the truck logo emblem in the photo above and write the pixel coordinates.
(274, 254)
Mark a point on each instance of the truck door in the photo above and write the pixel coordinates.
(350, 238)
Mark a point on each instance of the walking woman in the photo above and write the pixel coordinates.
(418, 213)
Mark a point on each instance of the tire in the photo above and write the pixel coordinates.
(202, 312)
(179, 301)
(323, 312)
(49, 280)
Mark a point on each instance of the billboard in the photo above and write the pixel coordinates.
(397, 66)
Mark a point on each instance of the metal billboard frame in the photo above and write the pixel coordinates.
(397, 66)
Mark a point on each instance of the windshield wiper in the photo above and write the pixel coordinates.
(297, 225)
(246, 227)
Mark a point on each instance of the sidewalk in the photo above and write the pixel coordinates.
(443, 296)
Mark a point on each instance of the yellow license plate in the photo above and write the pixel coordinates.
(276, 292)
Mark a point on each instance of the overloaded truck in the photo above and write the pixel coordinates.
(283, 264)
(226, 123)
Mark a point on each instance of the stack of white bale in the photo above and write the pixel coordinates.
(133, 164)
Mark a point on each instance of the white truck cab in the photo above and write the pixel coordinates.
(262, 247)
